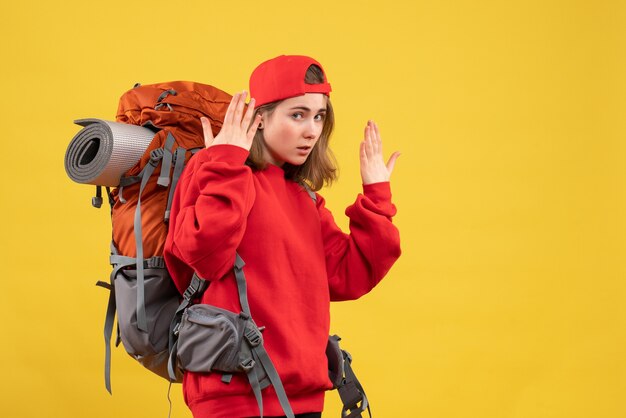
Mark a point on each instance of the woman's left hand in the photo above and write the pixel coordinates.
(373, 167)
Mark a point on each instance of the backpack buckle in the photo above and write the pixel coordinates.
(253, 336)
(154, 263)
(247, 364)
(196, 287)
(156, 155)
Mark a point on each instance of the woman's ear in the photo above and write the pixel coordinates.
(260, 126)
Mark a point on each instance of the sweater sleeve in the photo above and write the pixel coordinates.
(357, 261)
(208, 216)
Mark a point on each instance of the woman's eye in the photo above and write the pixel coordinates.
(297, 116)
(320, 116)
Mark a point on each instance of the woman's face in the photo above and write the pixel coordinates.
(293, 128)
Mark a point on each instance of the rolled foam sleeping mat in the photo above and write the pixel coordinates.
(103, 151)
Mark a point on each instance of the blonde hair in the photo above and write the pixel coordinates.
(320, 166)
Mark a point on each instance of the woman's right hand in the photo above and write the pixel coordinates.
(236, 129)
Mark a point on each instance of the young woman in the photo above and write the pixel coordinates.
(245, 194)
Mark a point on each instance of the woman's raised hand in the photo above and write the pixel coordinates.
(373, 167)
(236, 129)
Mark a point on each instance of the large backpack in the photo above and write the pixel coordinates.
(142, 291)
(150, 310)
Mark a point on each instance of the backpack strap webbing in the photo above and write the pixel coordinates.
(108, 332)
(310, 191)
(164, 176)
(195, 289)
(155, 157)
(179, 164)
(253, 379)
(261, 357)
(110, 317)
(351, 392)
(242, 287)
(255, 341)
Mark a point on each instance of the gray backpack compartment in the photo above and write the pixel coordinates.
(161, 301)
(148, 345)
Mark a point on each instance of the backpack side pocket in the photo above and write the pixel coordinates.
(161, 301)
(209, 339)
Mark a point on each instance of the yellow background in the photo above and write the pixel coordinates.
(508, 300)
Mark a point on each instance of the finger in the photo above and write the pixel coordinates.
(228, 118)
(378, 143)
(362, 152)
(373, 137)
(239, 109)
(207, 131)
(253, 128)
(392, 161)
(368, 140)
(245, 123)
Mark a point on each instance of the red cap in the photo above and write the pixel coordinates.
(283, 77)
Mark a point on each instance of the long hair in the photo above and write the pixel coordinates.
(320, 166)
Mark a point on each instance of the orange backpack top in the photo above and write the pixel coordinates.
(175, 108)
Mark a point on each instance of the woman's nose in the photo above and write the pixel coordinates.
(312, 129)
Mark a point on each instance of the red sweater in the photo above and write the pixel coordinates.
(297, 261)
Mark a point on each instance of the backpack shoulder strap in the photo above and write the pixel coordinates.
(142, 323)
(166, 163)
(308, 189)
(259, 354)
(179, 165)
